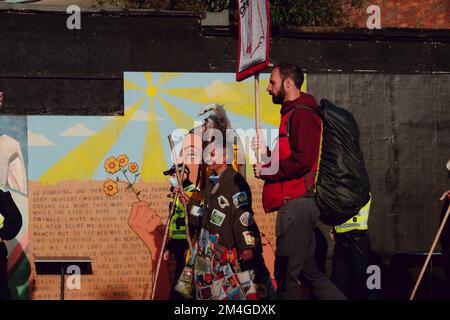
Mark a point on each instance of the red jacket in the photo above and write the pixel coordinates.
(298, 154)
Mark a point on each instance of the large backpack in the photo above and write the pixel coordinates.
(342, 184)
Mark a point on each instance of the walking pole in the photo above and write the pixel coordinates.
(174, 201)
(258, 151)
(166, 231)
(169, 217)
(431, 251)
(180, 185)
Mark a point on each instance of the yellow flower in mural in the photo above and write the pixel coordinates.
(112, 165)
(133, 167)
(110, 187)
(123, 160)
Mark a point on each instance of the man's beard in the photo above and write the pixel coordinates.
(279, 98)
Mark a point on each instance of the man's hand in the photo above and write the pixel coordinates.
(445, 194)
(184, 199)
(258, 143)
(332, 234)
(257, 170)
(166, 255)
(246, 255)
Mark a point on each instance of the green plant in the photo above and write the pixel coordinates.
(310, 12)
(217, 5)
(181, 5)
(283, 13)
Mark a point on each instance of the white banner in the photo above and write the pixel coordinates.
(254, 37)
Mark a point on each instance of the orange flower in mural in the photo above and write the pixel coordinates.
(112, 165)
(110, 187)
(123, 160)
(133, 167)
(129, 172)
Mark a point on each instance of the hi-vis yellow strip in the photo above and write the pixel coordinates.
(82, 162)
(320, 155)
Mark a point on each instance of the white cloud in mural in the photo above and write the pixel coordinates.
(144, 116)
(215, 89)
(36, 139)
(219, 92)
(79, 130)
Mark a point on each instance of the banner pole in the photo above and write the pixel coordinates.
(258, 151)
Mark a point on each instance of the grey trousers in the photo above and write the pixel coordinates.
(294, 255)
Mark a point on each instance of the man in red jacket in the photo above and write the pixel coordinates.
(289, 189)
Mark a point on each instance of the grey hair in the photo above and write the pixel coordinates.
(218, 118)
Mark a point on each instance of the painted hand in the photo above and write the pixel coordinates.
(144, 221)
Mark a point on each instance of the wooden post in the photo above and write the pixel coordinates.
(258, 151)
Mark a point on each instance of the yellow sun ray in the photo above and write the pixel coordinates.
(166, 77)
(129, 85)
(217, 91)
(182, 120)
(82, 162)
(149, 77)
(153, 159)
(237, 98)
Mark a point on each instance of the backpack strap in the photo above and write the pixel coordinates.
(288, 134)
(297, 106)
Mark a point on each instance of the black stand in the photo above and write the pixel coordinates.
(59, 265)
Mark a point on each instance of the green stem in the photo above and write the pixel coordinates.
(131, 184)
